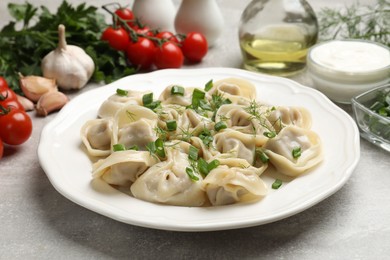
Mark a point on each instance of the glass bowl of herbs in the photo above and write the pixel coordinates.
(372, 114)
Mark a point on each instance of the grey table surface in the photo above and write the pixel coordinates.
(36, 222)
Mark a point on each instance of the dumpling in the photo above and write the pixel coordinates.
(134, 125)
(167, 182)
(225, 185)
(283, 116)
(280, 150)
(96, 136)
(243, 119)
(237, 90)
(166, 97)
(123, 167)
(115, 102)
(236, 144)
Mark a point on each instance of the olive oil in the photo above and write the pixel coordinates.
(276, 57)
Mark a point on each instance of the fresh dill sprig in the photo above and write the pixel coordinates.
(370, 22)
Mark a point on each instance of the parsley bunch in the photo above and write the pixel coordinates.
(33, 33)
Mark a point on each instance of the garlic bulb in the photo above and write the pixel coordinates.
(69, 65)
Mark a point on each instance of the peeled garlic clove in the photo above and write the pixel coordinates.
(50, 102)
(27, 104)
(70, 65)
(34, 87)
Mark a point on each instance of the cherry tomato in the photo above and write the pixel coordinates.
(16, 126)
(146, 31)
(141, 53)
(1, 149)
(194, 46)
(11, 103)
(168, 55)
(126, 14)
(168, 36)
(117, 38)
(8, 98)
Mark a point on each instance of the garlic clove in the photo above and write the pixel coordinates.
(50, 102)
(70, 65)
(34, 87)
(27, 104)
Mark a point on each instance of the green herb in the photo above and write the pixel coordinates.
(193, 153)
(177, 90)
(262, 155)
(122, 92)
(197, 96)
(190, 173)
(156, 148)
(33, 33)
(134, 147)
(220, 125)
(206, 137)
(171, 125)
(148, 102)
(209, 85)
(296, 152)
(118, 147)
(357, 21)
(277, 183)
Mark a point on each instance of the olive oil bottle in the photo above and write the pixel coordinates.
(275, 35)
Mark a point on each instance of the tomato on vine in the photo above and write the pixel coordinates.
(16, 126)
(168, 55)
(117, 38)
(126, 14)
(8, 96)
(194, 46)
(141, 53)
(167, 36)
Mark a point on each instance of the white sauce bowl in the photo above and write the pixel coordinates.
(343, 69)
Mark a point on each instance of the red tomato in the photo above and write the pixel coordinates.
(1, 149)
(126, 14)
(8, 98)
(146, 31)
(168, 55)
(194, 46)
(117, 38)
(141, 53)
(167, 35)
(16, 126)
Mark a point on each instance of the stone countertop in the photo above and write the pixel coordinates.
(36, 222)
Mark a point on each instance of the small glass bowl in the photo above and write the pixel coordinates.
(373, 127)
(339, 83)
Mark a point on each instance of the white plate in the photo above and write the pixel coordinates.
(62, 157)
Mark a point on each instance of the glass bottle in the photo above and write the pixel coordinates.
(275, 35)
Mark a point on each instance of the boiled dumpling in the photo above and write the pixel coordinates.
(237, 90)
(280, 150)
(96, 136)
(283, 116)
(225, 185)
(167, 182)
(123, 167)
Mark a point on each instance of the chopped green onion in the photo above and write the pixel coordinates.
(277, 183)
(220, 125)
(384, 111)
(151, 147)
(203, 104)
(153, 105)
(262, 156)
(296, 152)
(269, 134)
(377, 105)
(147, 99)
(212, 165)
(121, 92)
(193, 153)
(203, 166)
(160, 148)
(171, 125)
(177, 90)
(118, 147)
(197, 95)
(134, 147)
(190, 173)
(209, 85)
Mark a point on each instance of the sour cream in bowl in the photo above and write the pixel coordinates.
(343, 69)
